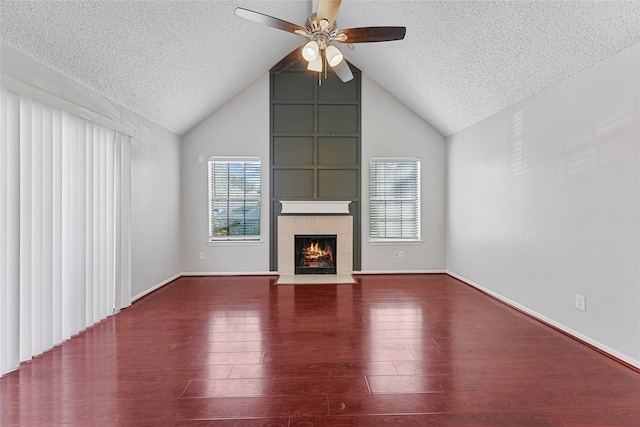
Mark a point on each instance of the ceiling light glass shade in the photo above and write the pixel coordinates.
(315, 65)
(310, 51)
(334, 56)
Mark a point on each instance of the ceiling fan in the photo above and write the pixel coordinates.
(321, 31)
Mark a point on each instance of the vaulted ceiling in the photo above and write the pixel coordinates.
(176, 62)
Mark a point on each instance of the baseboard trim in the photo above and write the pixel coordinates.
(400, 272)
(229, 273)
(583, 339)
(156, 287)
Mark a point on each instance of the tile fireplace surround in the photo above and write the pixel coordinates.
(328, 221)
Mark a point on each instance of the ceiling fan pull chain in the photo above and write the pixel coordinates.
(324, 66)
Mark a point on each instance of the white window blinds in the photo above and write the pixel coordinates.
(234, 199)
(394, 198)
(64, 226)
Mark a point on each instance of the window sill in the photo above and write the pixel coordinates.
(374, 242)
(235, 243)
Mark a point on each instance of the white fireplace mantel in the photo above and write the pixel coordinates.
(290, 225)
(315, 207)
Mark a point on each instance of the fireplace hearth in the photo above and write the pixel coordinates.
(315, 254)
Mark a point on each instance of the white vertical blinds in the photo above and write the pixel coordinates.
(234, 199)
(394, 198)
(64, 226)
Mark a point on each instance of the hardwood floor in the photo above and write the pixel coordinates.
(411, 350)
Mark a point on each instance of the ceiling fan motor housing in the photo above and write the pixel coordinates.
(321, 30)
(314, 24)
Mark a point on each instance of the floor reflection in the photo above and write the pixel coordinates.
(389, 350)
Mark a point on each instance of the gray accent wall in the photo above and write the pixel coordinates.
(315, 143)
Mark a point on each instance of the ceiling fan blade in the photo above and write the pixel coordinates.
(287, 61)
(370, 34)
(343, 71)
(270, 21)
(328, 9)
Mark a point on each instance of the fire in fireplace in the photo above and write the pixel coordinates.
(315, 254)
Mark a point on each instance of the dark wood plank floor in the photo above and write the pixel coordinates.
(411, 350)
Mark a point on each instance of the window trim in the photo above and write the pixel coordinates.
(233, 239)
(396, 240)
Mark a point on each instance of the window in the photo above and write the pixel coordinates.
(234, 198)
(394, 198)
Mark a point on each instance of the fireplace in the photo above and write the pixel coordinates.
(327, 223)
(315, 254)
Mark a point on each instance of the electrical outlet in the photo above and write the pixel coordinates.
(201, 159)
(581, 302)
(400, 254)
(201, 256)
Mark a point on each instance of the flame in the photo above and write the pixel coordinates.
(314, 252)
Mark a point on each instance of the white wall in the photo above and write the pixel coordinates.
(239, 128)
(155, 208)
(390, 129)
(155, 224)
(544, 203)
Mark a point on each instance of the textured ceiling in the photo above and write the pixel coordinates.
(175, 62)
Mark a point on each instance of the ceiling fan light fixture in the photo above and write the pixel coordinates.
(310, 51)
(315, 65)
(334, 56)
